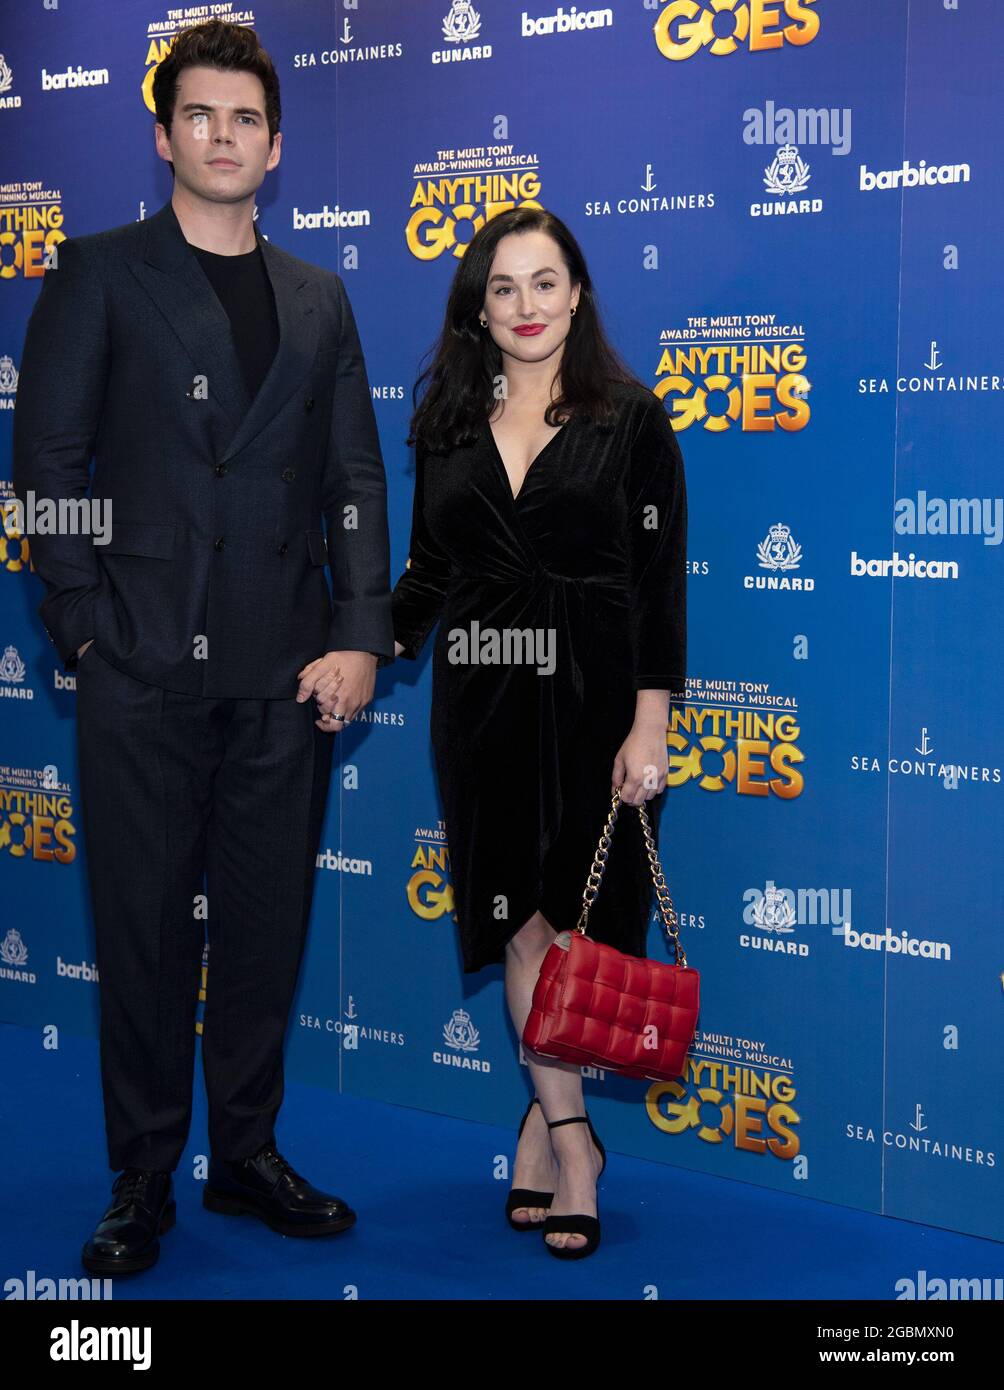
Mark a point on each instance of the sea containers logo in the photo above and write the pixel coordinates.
(352, 1027)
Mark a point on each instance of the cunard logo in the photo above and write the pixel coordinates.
(12, 668)
(14, 954)
(461, 26)
(12, 673)
(8, 375)
(773, 912)
(461, 1033)
(463, 22)
(6, 79)
(787, 173)
(778, 552)
(13, 951)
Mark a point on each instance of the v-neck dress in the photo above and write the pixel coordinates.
(591, 550)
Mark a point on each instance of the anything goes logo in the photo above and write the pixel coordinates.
(29, 236)
(722, 748)
(719, 1101)
(684, 27)
(759, 386)
(37, 825)
(429, 891)
(439, 205)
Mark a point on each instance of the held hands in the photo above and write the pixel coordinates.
(340, 682)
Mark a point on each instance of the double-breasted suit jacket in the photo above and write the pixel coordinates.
(226, 512)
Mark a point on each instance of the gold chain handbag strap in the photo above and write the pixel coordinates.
(595, 877)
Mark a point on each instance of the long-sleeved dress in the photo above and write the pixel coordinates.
(590, 558)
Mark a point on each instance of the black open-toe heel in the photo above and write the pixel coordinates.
(576, 1224)
(526, 1196)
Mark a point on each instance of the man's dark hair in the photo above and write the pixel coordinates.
(216, 44)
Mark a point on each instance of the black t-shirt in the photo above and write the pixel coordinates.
(245, 291)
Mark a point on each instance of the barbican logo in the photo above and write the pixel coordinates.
(74, 77)
(565, 21)
(327, 218)
(898, 568)
(70, 970)
(779, 553)
(343, 863)
(463, 1039)
(911, 176)
(889, 943)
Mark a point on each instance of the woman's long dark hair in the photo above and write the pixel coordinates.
(466, 361)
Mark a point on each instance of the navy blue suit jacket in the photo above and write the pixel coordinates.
(226, 513)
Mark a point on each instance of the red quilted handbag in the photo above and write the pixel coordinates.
(596, 1006)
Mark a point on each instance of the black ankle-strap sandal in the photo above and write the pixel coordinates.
(526, 1196)
(576, 1224)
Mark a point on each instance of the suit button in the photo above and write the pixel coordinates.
(283, 548)
(308, 404)
(221, 468)
(219, 543)
(288, 475)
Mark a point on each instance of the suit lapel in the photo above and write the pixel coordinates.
(170, 272)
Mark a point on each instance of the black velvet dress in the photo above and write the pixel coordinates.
(592, 550)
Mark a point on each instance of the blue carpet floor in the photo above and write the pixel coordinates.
(430, 1216)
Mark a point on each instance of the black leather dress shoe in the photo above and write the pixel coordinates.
(266, 1186)
(125, 1239)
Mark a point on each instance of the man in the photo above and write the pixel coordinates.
(220, 386)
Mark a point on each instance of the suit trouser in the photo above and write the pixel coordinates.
(200, 816)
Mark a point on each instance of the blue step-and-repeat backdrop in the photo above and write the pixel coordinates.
(791, 212)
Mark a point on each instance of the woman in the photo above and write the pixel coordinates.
(549, 503)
